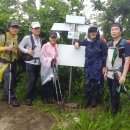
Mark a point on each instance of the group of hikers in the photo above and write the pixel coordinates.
(102, 61)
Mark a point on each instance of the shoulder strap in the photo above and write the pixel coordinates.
(32, 41)
(41, 41)
(110, 44)
(123, 42)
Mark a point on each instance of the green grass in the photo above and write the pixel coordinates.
(99, 118)
(81, 119)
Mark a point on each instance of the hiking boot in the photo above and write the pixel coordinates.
(29, 102)
(86, 104)
(115, 111)
(14, 102)
(44, 101)
(47, 101)
(94, 103)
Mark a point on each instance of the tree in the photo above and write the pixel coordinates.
(8, 10)
(50, 11)
(111, 12)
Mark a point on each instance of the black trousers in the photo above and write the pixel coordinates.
(115, 96)
(6, 77)
(47, 90)
(33, 74)
(92, 90)
(50, 91)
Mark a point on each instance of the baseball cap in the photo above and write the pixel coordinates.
(13, 23)
(53, 34)
(92, 29)
(35, 25)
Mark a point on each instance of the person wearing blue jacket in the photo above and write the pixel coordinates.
(94, 67)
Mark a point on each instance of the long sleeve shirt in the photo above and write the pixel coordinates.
(26, 44)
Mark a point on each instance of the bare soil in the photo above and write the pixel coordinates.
(23, 118)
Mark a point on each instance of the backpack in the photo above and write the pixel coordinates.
(122, 50)
(28, 57)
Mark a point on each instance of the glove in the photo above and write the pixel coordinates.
(54, 60)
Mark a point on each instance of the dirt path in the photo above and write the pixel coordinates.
(23, 118)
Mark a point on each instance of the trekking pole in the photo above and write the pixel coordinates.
(60, 89)
(10, 76)
(9, 89)
(57, 83)
(60, 103)
(121, 87)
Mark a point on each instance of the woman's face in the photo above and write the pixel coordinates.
(92, 35)
(53, 40)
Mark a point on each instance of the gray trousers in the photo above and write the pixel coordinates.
(6, 77)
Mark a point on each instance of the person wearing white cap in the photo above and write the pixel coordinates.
(31, 47)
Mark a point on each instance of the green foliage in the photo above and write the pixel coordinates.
(50, 11)
(96, 119)
(111, 12)
(88, 119)
(21, 86)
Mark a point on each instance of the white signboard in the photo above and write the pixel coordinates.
(68, 27)
(83, 28)
(69, 56)
(75, 19)
(61, 27)
(73, 35)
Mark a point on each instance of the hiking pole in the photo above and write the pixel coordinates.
(57, 82)
(9, 89)
(10, 76)
(57, 79)
(121, 87)
(60, 103)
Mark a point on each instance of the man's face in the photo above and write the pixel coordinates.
(13, 30)
(115, 32)
(36, 31)
(53, 40)
(92, 35)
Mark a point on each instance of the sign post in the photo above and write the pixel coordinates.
(74, 25)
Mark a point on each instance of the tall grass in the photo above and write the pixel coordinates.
(93, 119)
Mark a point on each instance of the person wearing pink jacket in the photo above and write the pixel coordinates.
(48, 55)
